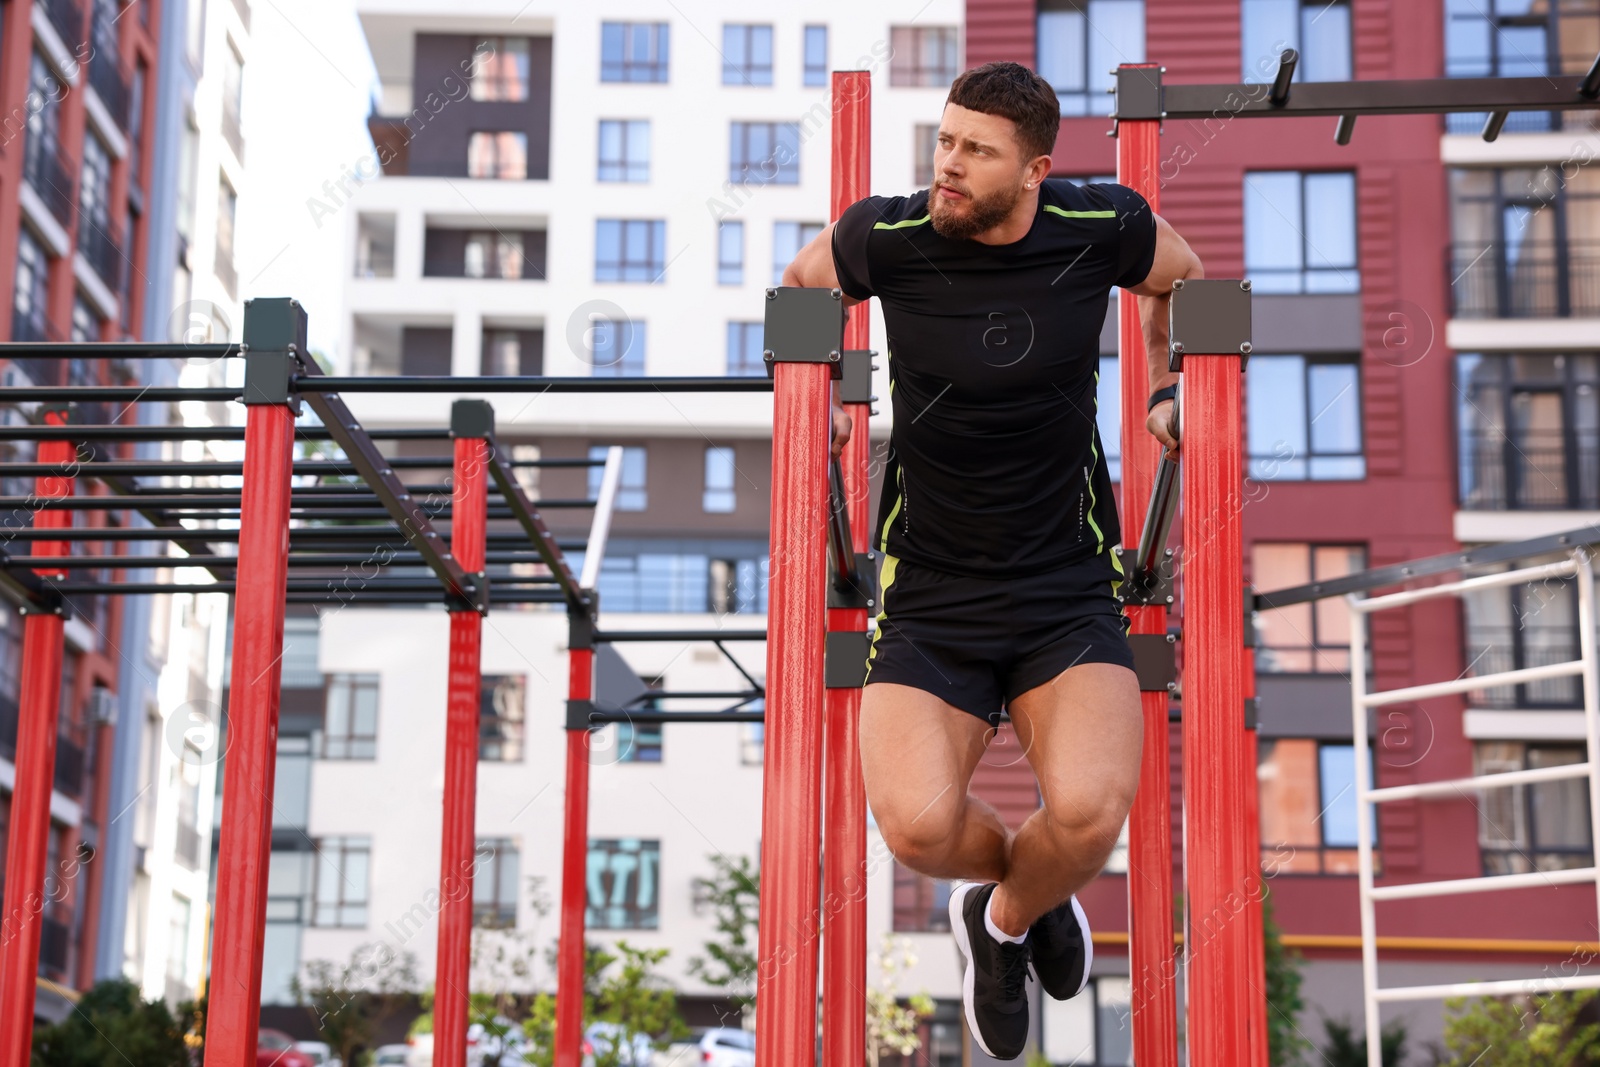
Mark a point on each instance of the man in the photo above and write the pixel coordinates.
(997, 525)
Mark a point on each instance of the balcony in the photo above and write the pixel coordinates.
(67, 18)
(233, 132)
(55, 939)
(69, 767)
(110, 82)
(1536, 281)
(50, 174)
(102, 251)
(1531, 471)
(1491, 650)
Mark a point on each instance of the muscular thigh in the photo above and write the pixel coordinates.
(917, 756)
(1082, 732)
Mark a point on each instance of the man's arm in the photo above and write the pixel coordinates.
(1174, 260)
(813, 269)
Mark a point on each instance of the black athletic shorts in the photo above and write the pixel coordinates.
(977, 643)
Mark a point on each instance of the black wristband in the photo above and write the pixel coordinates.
(1161, 396)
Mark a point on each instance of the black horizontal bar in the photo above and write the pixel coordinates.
(298, 536)
(331, 559)
(601, 717)
(1420, 96)
(174, 468)
(305, 585)
(703, 694)
(614, 636)
(131, 393)
(1396, 573)
(191, 433)
(424, 383)
(115, 350)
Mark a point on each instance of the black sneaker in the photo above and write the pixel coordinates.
(993, 987)
(1062, 951)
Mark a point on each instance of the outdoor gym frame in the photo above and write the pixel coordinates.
(817, 617)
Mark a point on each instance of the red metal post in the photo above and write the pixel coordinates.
(38, 704)
(1260, 1051)
(468, 535)
(844, 853)
(1152, 958)
(1220, 881)
(574, 860)
(791, 832)
(272, 327)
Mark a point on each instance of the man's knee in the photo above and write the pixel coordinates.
(919, 839)
(1088, 824)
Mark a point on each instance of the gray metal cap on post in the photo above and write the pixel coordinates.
(274, 343)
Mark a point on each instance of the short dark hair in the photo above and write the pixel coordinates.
(1012, 91)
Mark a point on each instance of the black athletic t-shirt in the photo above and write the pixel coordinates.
(995, 467)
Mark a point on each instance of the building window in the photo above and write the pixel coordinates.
(1308, 806)
(1304, 638)
(1526, 242)
(816, 56)
(744, 349)
(624, 150)
(923, 56)
(1318, 29)
(497, 154)
(502, 711)
(1529, 430)
(227, 212)
(630, 250)
(633, 51)
(788, 238)
(1108, 414)
(924, 140)
(1080, 42)
(738, 586)
(350, 725)
(86, 324)
(1300, 232)
(638, 742)
(1522, 626)
(921, 904)
(631, 487)
(1305, 419)
(94, 188)
(510, 352)
(494, 883)
(764, 153)
(624, 876)
(730, 252)
(343, 870)
(1514, 38)
(1537, 827)
(752, 740)
(29, 299)
(746, 54)
(501, 72)
(616, 349)
(492, 254)
(720, 468)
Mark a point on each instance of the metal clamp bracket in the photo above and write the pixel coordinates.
(1145, 590)
(274, 342)
(578, 713)
(864, 595)
(1155, 661)
(855, 376)
(844, 659)
(804, 325)
(1209, 317)
(476, 598)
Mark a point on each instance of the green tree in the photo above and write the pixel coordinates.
(113, 1024)
(1345, 1049)
(633, 998)
(1285, 1044)
(891, 1025)
(1542, 1030)
(734, 892)
(348, 1001)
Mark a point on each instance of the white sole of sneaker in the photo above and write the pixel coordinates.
(958, 927)
(1088, 944)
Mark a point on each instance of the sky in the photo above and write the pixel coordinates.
(309, 83)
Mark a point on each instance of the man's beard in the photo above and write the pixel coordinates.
(981, 213)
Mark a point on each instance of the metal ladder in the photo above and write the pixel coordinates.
(1367, 798)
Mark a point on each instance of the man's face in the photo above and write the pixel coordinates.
(978, 172)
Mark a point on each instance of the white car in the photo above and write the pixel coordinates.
(723, 1046)
(602, 1037)
(392, 1056)
(320, 1053)
(480, 1045)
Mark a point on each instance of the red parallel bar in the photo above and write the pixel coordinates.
(245, 841)
(844, 875)
(1215, 806)
(574, 871)
(1252, 847)
(458, 845)
(1152, 958)
(791, 833)
(28, 846)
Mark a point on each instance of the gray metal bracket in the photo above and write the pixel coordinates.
(1138, 93)
(578, 712)
(274, 342)
(804, 325)
(855, 376)
(864, 595)
(844, 659)
(1209, 317)
(1139, 589)
(1155, 661)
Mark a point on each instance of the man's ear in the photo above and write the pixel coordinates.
(1039, 169)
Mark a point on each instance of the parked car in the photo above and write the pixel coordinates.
(480, 1046)
(602, 1037)
(392, 1056)
(274, 1048)
(723, 1046)
(321, 1055)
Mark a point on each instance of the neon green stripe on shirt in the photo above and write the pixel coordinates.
(904, 223)
(1079, 214)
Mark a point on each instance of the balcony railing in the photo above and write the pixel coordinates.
(1537, 281)
(55, 940)
(110, 83)
(69, 767)
(102, 252)
(1530, 472)
(1491, 650)
(50, 174)
(67, 18)
(233, 132)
